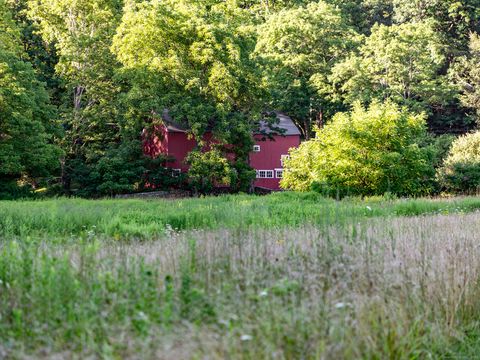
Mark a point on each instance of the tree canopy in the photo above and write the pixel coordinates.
(27, 119)
(81, 79)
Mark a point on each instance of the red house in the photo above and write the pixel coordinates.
(270, 150)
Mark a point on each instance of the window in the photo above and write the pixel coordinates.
(283, 158)
(256, 148)
(176, 172)
(265, 174)
(278, 173)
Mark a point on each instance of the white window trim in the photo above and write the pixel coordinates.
(277, 171)
(267, 174)
(283, 158)
(256, 148)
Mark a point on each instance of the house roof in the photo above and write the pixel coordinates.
(285, 123)
(170, 124)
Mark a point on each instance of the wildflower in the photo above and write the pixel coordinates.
(369, 208)
(246, 337)
(340, 305)
(263, 293)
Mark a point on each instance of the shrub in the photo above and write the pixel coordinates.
(441, 146)
(460, 172)
(208, 169)
(366, 152)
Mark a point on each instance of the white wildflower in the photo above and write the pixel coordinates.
(246, 337)
(340, 305)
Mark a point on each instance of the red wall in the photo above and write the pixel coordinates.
(162, 142)
(178, 145)
(269, 157)
(155, 141)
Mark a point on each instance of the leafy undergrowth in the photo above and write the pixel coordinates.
(64, 219)
(397, 288)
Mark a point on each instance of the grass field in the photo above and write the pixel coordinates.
(286, 276)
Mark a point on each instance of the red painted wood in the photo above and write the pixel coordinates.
(155, 141)
(269, 157)
(178, 145)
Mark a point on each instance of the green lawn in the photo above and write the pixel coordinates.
(282, 276)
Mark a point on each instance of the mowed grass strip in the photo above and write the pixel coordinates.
(397, 288)
(64, 219)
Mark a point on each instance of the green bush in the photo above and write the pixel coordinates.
(366, 152)
(208, 169)
(460, 172)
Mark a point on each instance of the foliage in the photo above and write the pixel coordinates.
(27, 119)
(399, 62)
(208, 169)
(196, 59)
(454, 20)
(466, 73)
(86, 68)
(368, 151)
(289, 43)
(111, 67)
(440, 146)
(460, 172)
(363, 14)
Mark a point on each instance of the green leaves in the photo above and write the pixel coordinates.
(299, 47)
(399, 62)
(460, 171)
(208, 169)
(368, 151)
(466, 73)
(25, 114)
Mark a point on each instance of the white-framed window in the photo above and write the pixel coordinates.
(256, 148)
(278, 173)
(283, 158)
(265, 174)
(176, 172)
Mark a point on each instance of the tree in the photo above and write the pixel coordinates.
(192, 58)
(299, 47)
(453, 20)
(208, 169)
(26, 115)
(81, 32)
(363, 14)
(399, 62)
(365, 152)
(466, 73)
(460, 172)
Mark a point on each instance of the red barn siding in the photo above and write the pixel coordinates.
(155, 142)
(178, 145)
(269, 157)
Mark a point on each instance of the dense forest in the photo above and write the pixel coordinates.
(81, 79)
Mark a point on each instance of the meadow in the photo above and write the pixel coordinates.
(284, 276)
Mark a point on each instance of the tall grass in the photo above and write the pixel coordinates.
(368, 288)
(65, 219)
